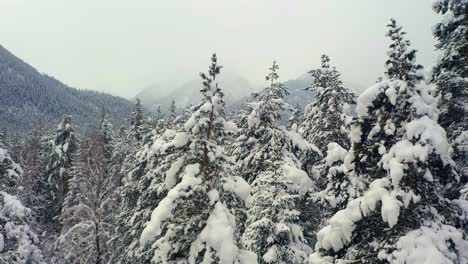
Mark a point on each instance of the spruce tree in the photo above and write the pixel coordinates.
(172, 113)
(62, 148)
(137, 121)
(18, 242)
(88, 209)
(326, 119)
(399, 161)
(198, 221)
(295, 119)
(450, 76)
(279, 222)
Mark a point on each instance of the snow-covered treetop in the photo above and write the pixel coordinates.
(136, 121)
(324, 77)
(9, 171)
(327, 118)
(64, 142)
(401, 62)
(269, 103)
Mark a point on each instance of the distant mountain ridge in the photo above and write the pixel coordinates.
(26, 95)
(234, 87)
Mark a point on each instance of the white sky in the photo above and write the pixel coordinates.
(121, 46)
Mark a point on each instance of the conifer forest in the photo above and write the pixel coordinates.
(379, 176)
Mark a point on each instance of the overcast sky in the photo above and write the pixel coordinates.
(122, 46)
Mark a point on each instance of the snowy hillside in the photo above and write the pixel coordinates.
(26, 94)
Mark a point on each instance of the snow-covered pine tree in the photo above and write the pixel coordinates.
(199, 219)
(137, 121)
(295, 120)
(87, 213)
(62, 147)
(18, 243)
(172, 111)
(32, 157)
(336, 189)
(326, 120)
(450, 76)
(400, 155)
(160, 122)
(280, 220)
(106, 134)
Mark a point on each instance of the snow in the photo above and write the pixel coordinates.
(428, 131)
(300, 142)
(171, 179)
(213, 195)
(165, 207)
(317, 258)
(367, 98)
(298, 179)
(2, 243)
(240, 187)
(335, 153)
(341, 226)
(430, 245)
(356, 134)
(218, 234)
(12, 207)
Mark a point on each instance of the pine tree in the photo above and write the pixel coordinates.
(172, 111)
(326, 119)
(106, 134)
(296, 119)
(32, 157)
(330, 176)
(87, 212)
(137, 121)
(18, 242)
(160, 122)
(450, 76)
(400, 158)
(198, 220)
(279, 222)
(62, 147)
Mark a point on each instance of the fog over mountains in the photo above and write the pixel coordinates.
(236, 88)
(26, 95)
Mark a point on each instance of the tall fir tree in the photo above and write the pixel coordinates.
(172, 111)
(450, 75)
(279, 222)
(137, 121)
(400, 164)
(88, 208)
(18, 242)
(198, 221)
(62, 147)
(327, 118)
(295, 119)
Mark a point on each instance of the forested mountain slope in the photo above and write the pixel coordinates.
(26, 95)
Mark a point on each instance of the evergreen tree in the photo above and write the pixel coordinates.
(330, 176)
(160, 122)
(326, 119)
(137, 121)
(296, 119)
(87, 212)
(279, 221)
(62, 147)
(106, 134)
(198, 220)
(172, 113)
(450, 76)
(400, 163)
(32, 157)
(18, 242)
